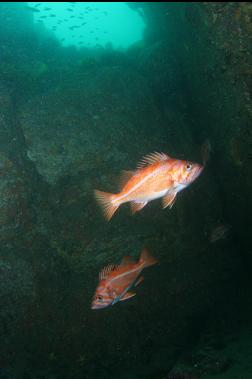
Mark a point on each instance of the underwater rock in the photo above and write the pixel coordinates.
(180, 375)
(17, 293)
(25, 74)
(16, 25)
(160, 65)
(7, 132)
(16, 176)
(13, 199)
(94, 120)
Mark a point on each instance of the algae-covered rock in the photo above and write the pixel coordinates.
(23, 74)
(17, 293)
(15, 187)
(95, 120)
(159, 63)
(13, 203)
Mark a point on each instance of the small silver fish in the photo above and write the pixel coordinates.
(219, 232)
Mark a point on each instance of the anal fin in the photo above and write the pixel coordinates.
(169, 199)
(137, 206)
(127, 296)
(140, 280)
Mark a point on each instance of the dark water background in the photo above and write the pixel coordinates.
(71, 118)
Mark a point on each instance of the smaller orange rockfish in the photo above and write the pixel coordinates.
(156, 176)
(115, 282)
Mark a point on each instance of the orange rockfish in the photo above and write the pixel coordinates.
(115, 282)
(157, 175)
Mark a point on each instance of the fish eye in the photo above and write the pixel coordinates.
(100, 298)
(188, 166)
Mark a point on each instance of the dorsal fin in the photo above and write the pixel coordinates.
(106, 271)
(152, 158)
(127, 260)
(125, 177)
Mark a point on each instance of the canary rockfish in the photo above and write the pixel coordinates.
(115, 282)
(156, 176)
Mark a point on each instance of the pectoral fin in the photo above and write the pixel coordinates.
(127, 296)
(169, 199)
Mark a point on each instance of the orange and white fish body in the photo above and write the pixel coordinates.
(157, 176)
(115, 282)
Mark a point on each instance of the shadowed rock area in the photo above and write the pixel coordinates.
(70, 121)
(76, 117)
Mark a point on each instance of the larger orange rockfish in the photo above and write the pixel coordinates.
(157, 175)
(115, 282)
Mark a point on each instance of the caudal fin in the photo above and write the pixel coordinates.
(147, 259)
(105, 200)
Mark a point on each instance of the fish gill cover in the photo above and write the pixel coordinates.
(88, 90)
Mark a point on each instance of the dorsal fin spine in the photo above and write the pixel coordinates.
(152, 158)
(106, 271)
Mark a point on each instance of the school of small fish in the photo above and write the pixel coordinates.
(78, 17)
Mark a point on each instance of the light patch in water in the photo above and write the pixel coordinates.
(89, 24)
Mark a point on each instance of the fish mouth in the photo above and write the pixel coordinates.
(99, 306)
(95, 306)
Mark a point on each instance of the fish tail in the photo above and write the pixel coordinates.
(147, 259)
(105, 200)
